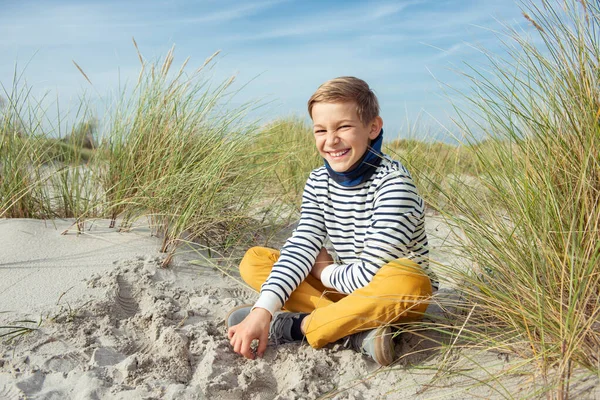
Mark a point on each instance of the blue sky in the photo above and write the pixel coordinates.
(282, 49)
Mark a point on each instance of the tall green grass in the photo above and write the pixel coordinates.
(44, 171)
(433, 164)
(534, 237)
(288, 145)
(173, 153)
(16, 194)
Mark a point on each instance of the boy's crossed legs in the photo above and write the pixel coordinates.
(398, 292)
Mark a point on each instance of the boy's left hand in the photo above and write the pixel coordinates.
(323, 261)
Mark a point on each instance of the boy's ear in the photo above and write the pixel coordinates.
(375, 127)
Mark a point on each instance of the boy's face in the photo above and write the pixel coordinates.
(340, 136)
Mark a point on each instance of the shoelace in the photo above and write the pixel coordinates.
(280, 328)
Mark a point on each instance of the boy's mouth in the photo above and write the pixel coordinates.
(339, 153)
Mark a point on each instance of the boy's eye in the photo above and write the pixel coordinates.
(319, 131)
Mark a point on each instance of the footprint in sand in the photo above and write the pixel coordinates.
(138, 345)
(126, 304)
(8, 392)
(65, 363)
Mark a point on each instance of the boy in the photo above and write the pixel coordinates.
(368, 206)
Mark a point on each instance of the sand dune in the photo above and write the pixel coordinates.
(128, 329)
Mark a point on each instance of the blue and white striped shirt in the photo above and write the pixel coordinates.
(369, 225)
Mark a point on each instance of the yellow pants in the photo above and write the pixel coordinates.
(399, 292)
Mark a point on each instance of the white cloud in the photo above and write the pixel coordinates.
(352, 18)
(291, 46)
(55, 24)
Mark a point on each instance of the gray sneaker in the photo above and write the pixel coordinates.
(376, 343)
(280, 331)
(237, 315)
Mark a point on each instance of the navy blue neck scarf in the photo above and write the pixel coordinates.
(363, 171)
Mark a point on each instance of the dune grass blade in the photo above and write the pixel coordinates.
(176, 153)
(534, 237)
(432, 164)
(44, 174)
(287, 145)
(17, 329)
(20, 154)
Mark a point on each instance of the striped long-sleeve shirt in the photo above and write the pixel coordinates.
(369, 225)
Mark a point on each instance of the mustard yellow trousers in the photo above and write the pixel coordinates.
(399, 292)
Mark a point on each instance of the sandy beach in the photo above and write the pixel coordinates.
(145, 147)
(113, 324)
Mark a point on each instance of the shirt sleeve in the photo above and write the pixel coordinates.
(397, 211)
(298, 254)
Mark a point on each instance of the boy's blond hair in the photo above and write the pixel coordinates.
(344, 89)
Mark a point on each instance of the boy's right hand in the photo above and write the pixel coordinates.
(323, 260)
(254, 326)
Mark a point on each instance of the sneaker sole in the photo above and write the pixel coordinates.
(234, 309)
(384, 346)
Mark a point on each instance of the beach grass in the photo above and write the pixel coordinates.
(19, 157)
(173, 153)
(293, 155)
(17, 329)
(433, 165)
(43, 168)
(533, 239)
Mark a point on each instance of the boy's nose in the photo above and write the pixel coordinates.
(332, 138)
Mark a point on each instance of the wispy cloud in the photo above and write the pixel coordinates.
(353, 17)
(387, 10)
(291, 46)
(210, 17)
(57, 23)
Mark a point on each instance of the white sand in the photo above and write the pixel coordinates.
(39, 264)
(127, 329)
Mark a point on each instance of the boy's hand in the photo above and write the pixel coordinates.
(254, 326)
(323, 260)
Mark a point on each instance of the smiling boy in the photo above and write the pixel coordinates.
(368, 206)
